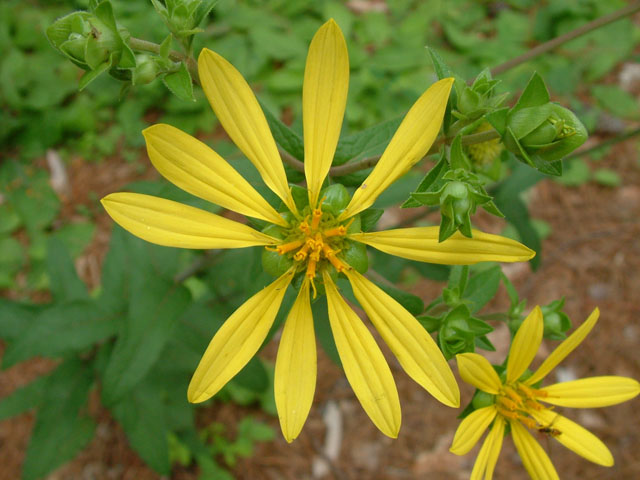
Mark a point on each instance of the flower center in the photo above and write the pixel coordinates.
(516, 401)
(314, 243)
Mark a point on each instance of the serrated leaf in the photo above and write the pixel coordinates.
(142, 416)
(64, 282)
(23, 398)
(516, 213)
(441, 68)
(61, 429)
(154, 308)
(179, 83)
(481, 288)
(413, 304)
(60, 330)
(366, 143)
(286, 138)
(165, 46)
(16, 318)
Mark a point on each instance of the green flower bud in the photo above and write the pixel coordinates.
(355, 254)
(482, 399)
(556, 322)
(275, 264)
(550, 132)
(336, 198)
(146, 70)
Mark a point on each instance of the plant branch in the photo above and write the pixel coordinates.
(371, 161)
(556, 42)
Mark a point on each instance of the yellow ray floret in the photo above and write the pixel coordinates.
(173, 224)
(296, 367)
(240, 114)
(363, 362)
(197, 169)
(411, 142)
(324, 98)
(237, 341)
(421, 244)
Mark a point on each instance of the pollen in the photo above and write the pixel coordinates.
(517, 401)
(315, 244)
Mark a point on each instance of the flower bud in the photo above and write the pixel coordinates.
(336, 198)
(146, 70)
(556, 322)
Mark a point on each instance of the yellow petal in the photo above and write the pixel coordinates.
(173, 224)
(488, 455)
(195, 168)
(363, 362)
(564, 349)
(525, 345)
(421, 244)
(591, 392)
(296, 367)
(575, 437)
(416, 351)
(324, 97)
(477, 371)
(237, 341)
(533, 456)
(471, 429)
(240, 114)
(410, 143)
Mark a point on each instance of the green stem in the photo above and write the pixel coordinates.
(567, 37)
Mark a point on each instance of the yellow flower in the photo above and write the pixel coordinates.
(519, 402)
(310, 242)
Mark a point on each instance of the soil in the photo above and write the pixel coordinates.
(592, 257)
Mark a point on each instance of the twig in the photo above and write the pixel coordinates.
(556, 42)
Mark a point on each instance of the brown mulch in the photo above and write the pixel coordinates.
(592, 257)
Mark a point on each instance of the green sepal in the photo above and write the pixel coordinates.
(370, 217)
(336, 198)
(355, 254)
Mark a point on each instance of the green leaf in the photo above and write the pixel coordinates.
(165, 47)
(16, 318)
(61, 429)
(576, 173)
(441, 68)
(253, 376)
(23, 398)
(142, 416)
(286, 138)
(76, 236)
(60, 330)
(516, 213)
(607, 177)
(368, 142)
(63, 279)
(616, 100)
(11, 260)
(323, 329)
(154, 307)
(179, 83)
(413, 304)
(481, 288)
